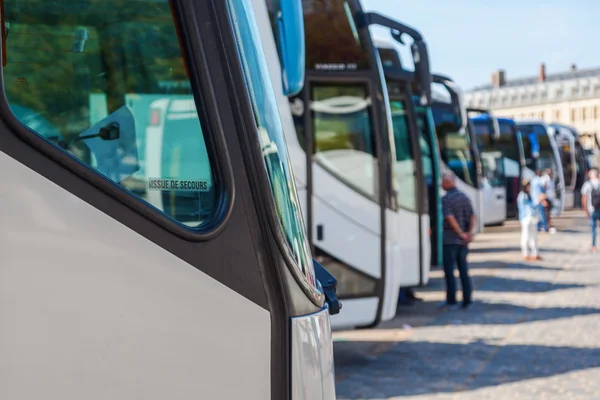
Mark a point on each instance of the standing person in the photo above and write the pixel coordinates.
(459, 221)
(590, 198)
(538, 195)
(528, 217)
(550, 188)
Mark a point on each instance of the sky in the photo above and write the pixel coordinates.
(469, 39)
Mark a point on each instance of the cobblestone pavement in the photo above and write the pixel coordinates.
(533, 333)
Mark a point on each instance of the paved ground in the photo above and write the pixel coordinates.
(534, 332)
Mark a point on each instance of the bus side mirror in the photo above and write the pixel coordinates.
(422, 71)
(290, 31)
(329, 285)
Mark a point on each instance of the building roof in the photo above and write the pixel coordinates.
(562, 76)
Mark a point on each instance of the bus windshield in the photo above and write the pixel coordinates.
(455, 148)
(546, 154)
(507, 141)
(343, 47)
(483, 133)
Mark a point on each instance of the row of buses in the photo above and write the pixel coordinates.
(197, 191)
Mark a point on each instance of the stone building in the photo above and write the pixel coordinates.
(571, 97)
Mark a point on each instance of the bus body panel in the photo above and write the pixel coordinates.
(84, 296)
(405, 226)
(312, 357)
(357, 312)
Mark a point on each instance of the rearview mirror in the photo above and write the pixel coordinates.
(289, 20)
(422, 71)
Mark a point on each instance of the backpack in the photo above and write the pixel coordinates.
(595, 197)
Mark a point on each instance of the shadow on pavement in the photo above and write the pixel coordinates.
(497, 250)
(509, 266)
(416, 368)
(483, 313)
(486, 283)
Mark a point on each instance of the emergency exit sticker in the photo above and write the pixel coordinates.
(177, 184)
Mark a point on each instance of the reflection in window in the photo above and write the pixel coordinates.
(404, 167)
(270, 131)
(108, 85)
(343, 138)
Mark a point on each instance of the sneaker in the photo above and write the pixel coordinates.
(466, 306)
(593, 249)
(537, 258)
(447, 305)
(552, 231)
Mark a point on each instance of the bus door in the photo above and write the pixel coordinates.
(413, 212)
(565, 142)
(487, 133)
(107, 294)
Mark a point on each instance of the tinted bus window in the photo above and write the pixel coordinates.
(455, 148)
(483, 134)
(507, 142)
(106, 82)
(333, 42)
(404, 167)
(546, 154)
(343, 136)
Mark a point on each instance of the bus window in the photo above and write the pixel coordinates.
(455, 148)
(341, 48)
(404, 167)
(107, 83)
(343, 138)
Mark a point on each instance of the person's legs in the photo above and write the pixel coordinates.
(594, 219)
(449, 261)
(542, 224)
(463, 269)
(525, 237)
(533, 238)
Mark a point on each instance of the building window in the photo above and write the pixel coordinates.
(544, 95)
(573, 115)
(597, 89)
(557, 115)
(583, 114)
(514, 99)
(559, 93)
(586, 91)
(542, 115)
(595, 112)
(523, 98)
(575, 91)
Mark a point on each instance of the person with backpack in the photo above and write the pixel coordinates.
(590, 197)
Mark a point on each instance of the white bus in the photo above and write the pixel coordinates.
(109, 294)
(457, 142)
(541, 152)
(342, 149)
(487, 135)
